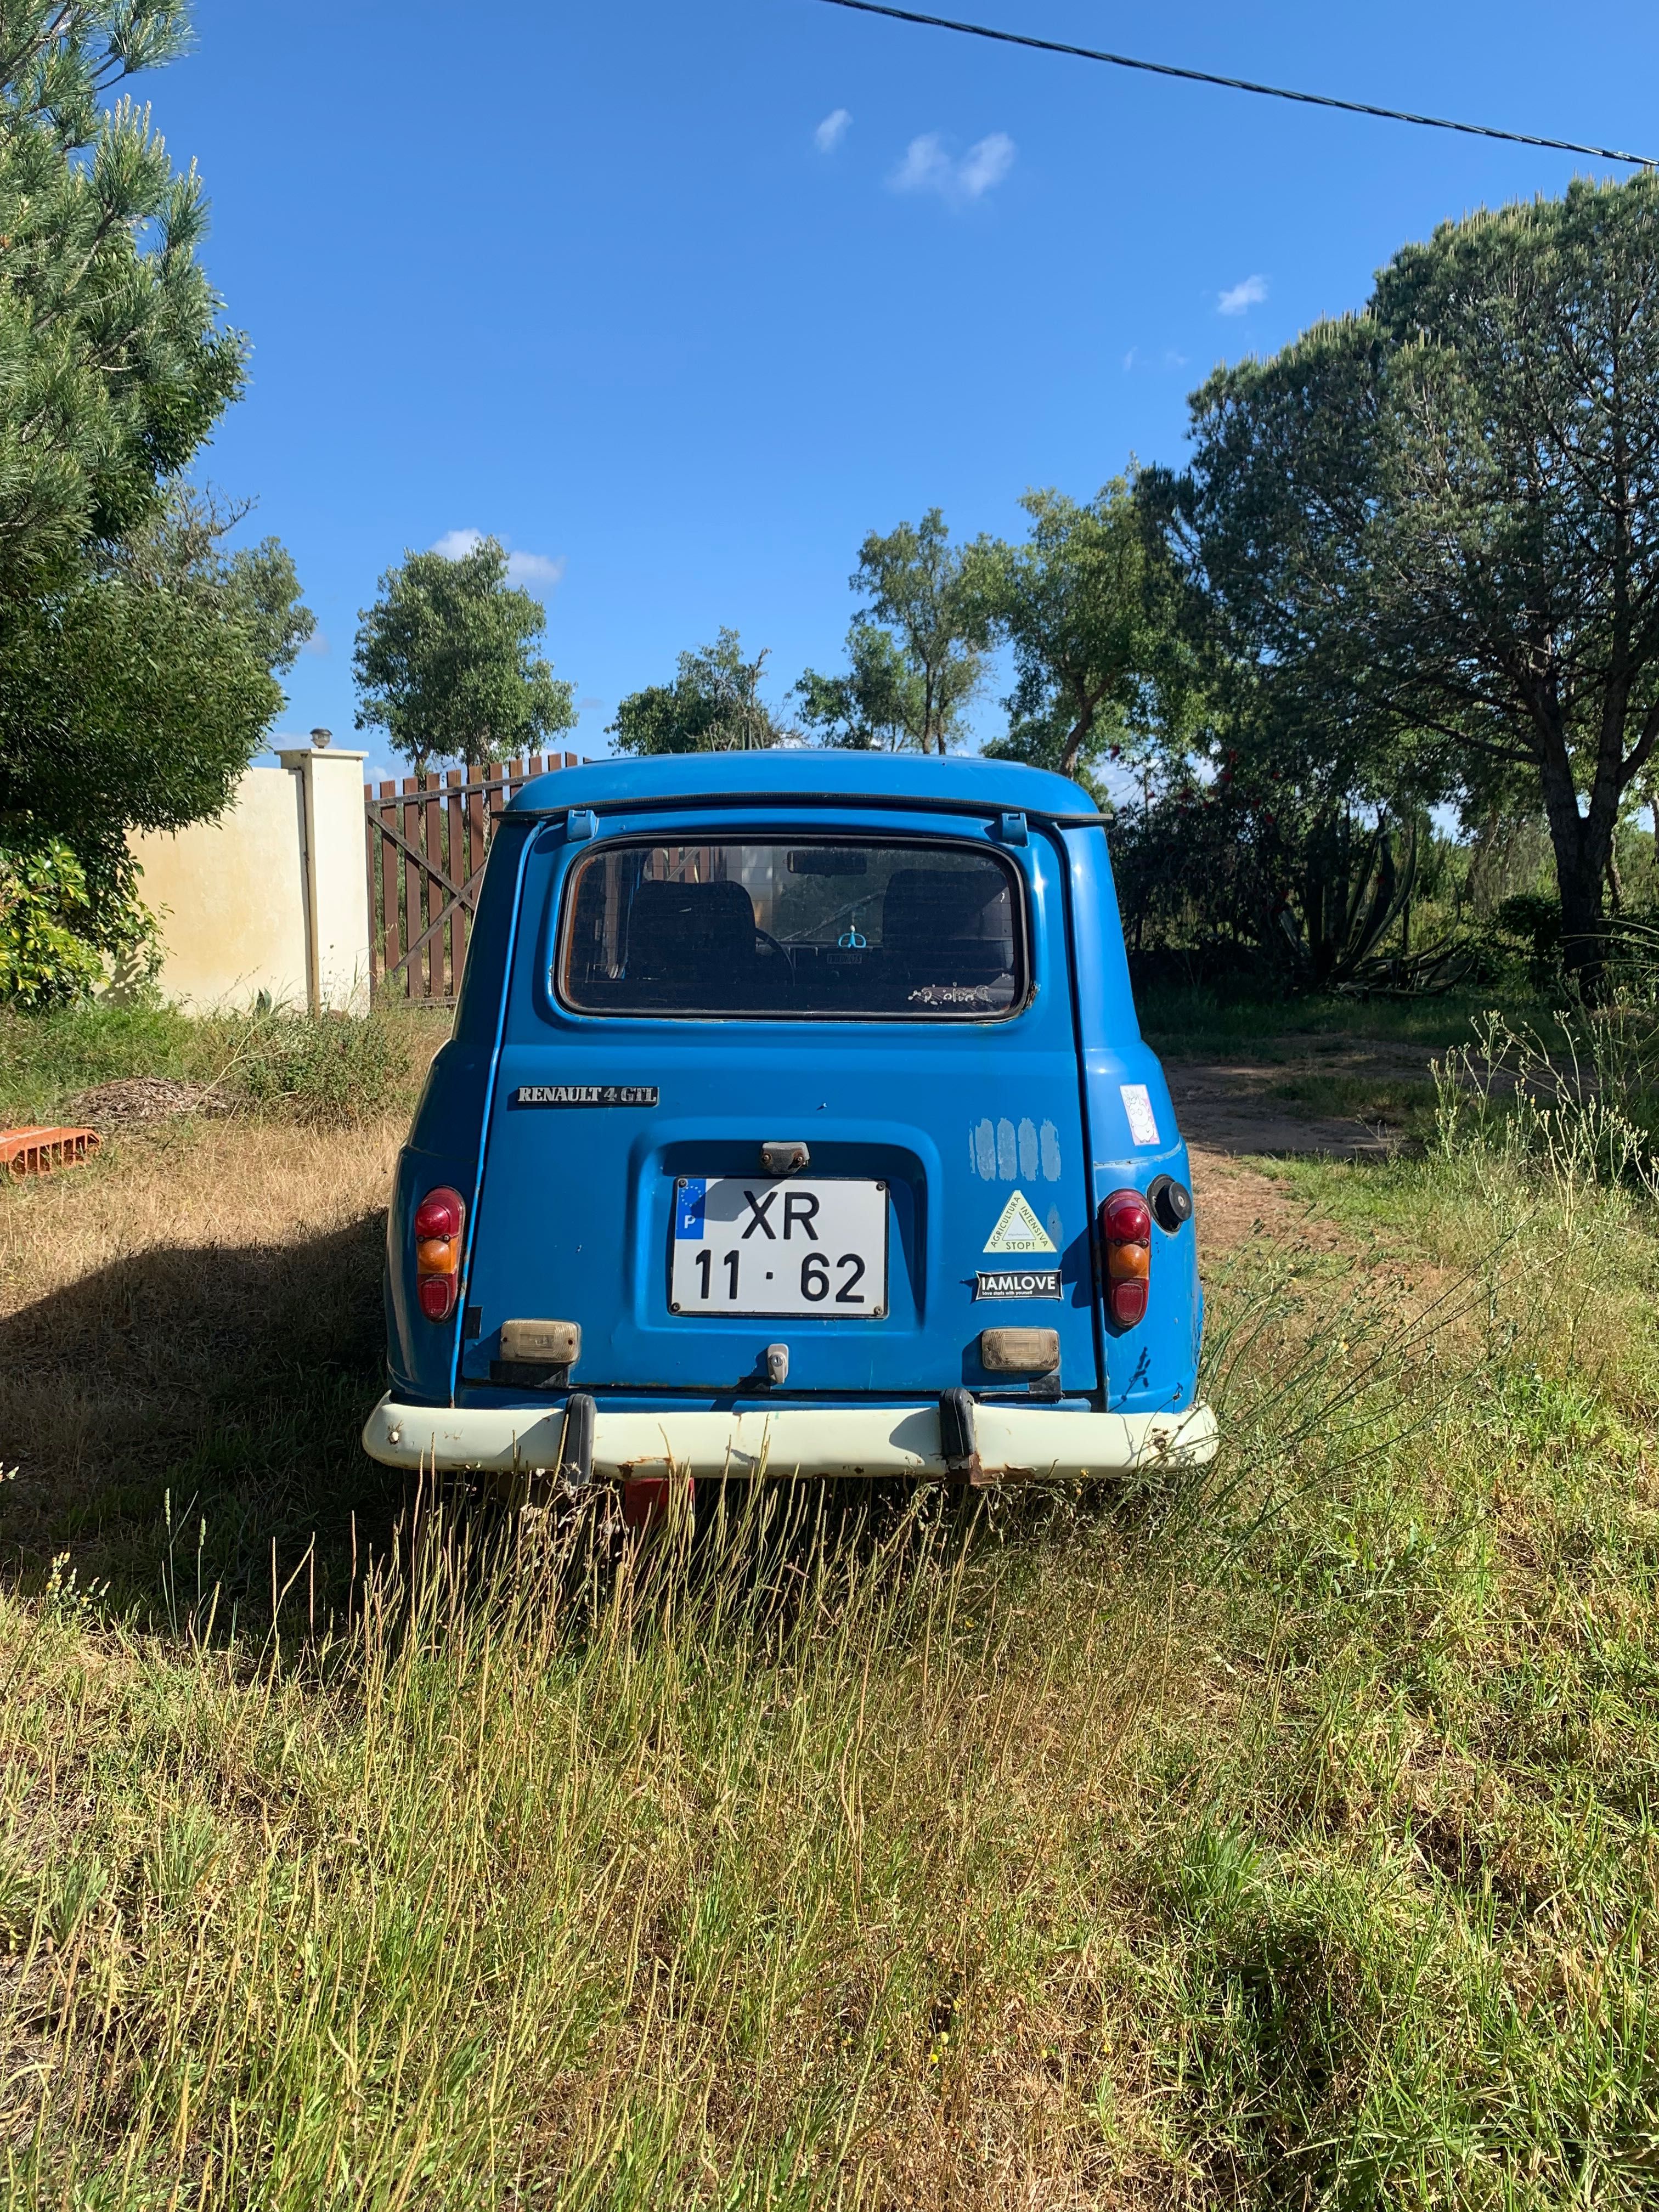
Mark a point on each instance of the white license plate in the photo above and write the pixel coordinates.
(757, 1244)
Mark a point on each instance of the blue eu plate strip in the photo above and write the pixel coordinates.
(688, 1214)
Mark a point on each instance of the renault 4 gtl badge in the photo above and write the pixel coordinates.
(586, 1094)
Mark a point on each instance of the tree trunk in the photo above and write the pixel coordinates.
(1581, 848)
(1580, 880)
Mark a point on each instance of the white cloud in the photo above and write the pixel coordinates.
(1138, 360)
(833, 129)
(317, 642)
(927, 167)
(1239, 297)
(529, 569)
(986, 164)
(526, 570)
(588, 705)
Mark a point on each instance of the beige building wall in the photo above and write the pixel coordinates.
(272, 897)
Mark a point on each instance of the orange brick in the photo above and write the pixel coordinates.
(38, 1151)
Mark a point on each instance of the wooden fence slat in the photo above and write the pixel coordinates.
(456, 855)
(410, 901)
(478, 830)
(390, 947)
(436, 897)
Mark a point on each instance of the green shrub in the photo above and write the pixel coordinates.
(44, 959)
(64, 932)
(324, 1068)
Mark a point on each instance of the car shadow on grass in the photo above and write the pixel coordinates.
(179, 1418)
(185, 1427)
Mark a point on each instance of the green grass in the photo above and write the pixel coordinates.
(1393, 1099)
(46, 1059)
(279, 1061)
(1198, 1021)
(1289, 1841)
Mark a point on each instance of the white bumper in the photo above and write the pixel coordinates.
(1015, 1442)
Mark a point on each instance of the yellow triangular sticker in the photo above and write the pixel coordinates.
(1019, 1230)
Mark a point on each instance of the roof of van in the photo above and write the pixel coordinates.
(800, 772)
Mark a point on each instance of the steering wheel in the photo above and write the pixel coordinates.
(765, 937)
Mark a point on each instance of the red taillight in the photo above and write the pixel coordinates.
(439, 1219)
(1126, 1235)
(439, 1214)
(1126, 1218)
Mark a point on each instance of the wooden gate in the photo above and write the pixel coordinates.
(427, 845)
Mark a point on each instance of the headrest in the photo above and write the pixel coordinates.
(935, 904)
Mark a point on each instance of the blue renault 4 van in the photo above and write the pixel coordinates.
(796, 1119)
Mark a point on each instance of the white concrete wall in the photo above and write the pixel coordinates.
(272, 897)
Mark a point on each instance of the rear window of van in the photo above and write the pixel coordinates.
(863, 928)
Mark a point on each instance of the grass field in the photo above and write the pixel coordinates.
(1289, 1841)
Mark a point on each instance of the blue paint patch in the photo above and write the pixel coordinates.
(688, 1212)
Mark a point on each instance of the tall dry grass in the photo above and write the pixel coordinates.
(1284, 1838)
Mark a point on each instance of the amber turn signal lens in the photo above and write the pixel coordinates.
(1128, 1263)
(437, 1296)
(1129, 1304)
(435, 1255)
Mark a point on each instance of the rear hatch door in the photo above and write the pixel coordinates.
(896, 1001)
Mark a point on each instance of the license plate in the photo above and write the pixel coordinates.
(757, 1244)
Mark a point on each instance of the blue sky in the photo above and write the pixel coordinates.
(679, 301)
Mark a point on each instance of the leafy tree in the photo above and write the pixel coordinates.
(1087, 602)
(135, 661)
(713, 706)
(1434, 528)
(446, 665)
(879, 705)
(134, 698)
(112, 367)
(918, 587)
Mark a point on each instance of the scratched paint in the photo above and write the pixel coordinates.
(1028, 1150)
(985, 1150)
(1007, 1152)
(1001, 1151)
(1050, 1152)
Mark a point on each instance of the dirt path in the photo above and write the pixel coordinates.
(1345, 1097)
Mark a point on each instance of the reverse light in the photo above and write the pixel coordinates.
(439, 1219)
(1126, 1235)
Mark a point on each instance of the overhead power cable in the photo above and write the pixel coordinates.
(1240, 83)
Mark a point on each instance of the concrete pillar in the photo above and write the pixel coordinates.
(336, 877)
